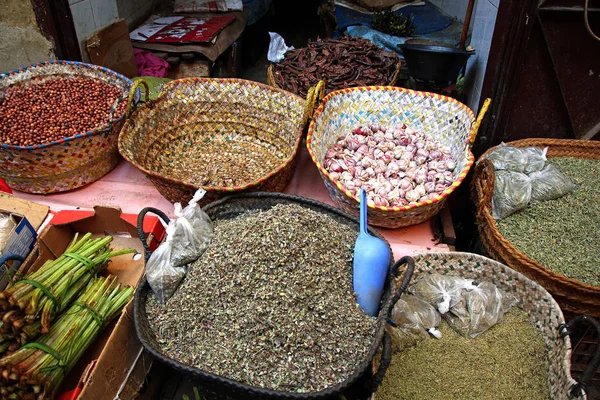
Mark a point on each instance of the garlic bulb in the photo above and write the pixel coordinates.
(396, 165)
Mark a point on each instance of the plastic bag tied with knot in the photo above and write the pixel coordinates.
(482, 308)
(162, 275)
(549, 184)
(535, 158)
(193, 232)
(418, 311)
(507, 158)
(441, 291)
(512, 192)
(407, 332)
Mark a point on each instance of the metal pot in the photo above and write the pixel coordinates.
(434, 61)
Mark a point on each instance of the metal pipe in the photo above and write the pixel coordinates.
(465, 31)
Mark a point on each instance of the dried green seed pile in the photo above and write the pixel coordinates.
(270, 303)
(506, 362)
(563, 234)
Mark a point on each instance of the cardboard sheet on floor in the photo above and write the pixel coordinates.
(226, 37)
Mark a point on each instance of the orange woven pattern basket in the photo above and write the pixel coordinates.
(224, 135)
(74, 161)
(447, 120)
(571, 294)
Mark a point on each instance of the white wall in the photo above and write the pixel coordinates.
(483, 21)
(90, 16)
(482, 30)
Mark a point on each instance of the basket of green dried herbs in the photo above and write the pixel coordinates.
(554, 242)
(268, 311)
(525, 355)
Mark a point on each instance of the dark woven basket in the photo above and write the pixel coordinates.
(359, 385)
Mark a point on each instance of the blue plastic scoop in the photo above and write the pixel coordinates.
(371, 263)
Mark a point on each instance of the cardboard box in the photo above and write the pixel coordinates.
(28, 217)
(107, 364)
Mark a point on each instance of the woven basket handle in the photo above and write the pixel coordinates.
(8, 257)
(410, 269)
(590, 370)
(131, 103)
(477, 124)
(140, 228)
(313, 98)
(482, 186)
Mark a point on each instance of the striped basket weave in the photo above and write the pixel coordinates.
(224, 135)
(445, 119)
(543, 311)
(71, 162)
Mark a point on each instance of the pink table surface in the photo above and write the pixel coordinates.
(127, 188)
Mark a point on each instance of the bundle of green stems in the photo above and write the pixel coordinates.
(35, 371)
(29, 305)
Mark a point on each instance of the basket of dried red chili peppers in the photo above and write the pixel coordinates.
(341, 63)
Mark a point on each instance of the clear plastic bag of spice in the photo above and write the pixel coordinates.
(507, 158)
(441, 291)
(482, 308)
(162, 274)
(411, 309)
(408, 331)
(535, 158)
(549, 184)
(512, 192)
(193, 231)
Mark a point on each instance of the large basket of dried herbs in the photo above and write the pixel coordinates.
(526, 354)
(553, 242)
(409, 150)
(268, 311)
(222, 135)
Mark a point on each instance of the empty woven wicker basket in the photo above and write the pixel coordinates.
(224, 135)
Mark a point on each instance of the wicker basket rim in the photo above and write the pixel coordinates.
(144, 287)
(461, 176)
(224, 189)
(508, 246)
(96, 131)
(261, 85)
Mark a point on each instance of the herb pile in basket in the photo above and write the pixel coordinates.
(270, 303)
(506, 362)
(563, 234)
(341, 63)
